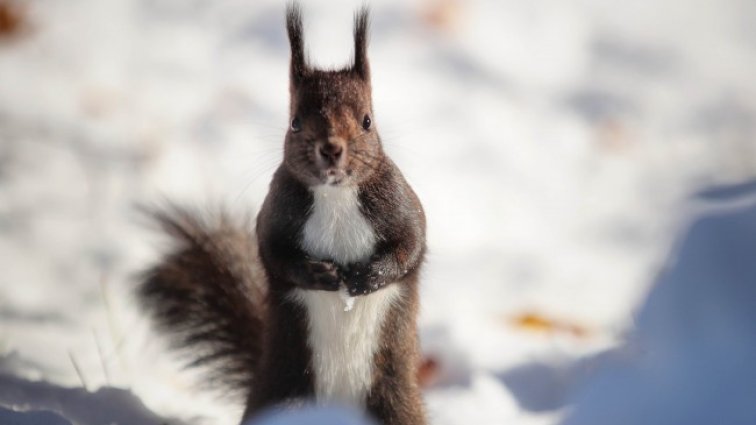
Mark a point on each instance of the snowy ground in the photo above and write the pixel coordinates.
(555, 145)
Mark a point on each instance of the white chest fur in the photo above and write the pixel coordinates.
(336, 229)
(343, 343)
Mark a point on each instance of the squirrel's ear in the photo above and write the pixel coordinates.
(298, 67)
(361, 25)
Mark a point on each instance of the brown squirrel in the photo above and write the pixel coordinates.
(341, 239)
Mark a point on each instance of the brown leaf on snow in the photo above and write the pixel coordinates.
(12, 19)
(428, 372)
(443, 15)
(534, 322)
(614, 137)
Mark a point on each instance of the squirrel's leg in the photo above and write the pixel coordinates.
(395, 398)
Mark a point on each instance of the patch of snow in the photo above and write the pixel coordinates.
(553, 145)
(348, 299)
(312, 416)
(694, 340)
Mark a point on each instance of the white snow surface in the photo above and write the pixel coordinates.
(554, 145)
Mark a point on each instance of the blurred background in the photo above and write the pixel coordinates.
(588, 170)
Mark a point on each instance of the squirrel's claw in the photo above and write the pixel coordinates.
(362, 279)
(322, 275)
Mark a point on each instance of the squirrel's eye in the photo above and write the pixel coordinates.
(296, 126)
(366, 122)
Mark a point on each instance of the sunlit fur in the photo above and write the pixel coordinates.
(343, 343)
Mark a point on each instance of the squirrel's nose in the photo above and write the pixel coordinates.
(331, 152)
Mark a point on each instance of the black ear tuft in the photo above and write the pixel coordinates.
(361, 26)
(298, 67)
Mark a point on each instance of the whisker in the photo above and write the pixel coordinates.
(260, 172)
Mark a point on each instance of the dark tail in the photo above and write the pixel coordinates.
(208, 293)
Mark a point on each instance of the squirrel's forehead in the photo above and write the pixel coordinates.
(334, 91)
(324, 100)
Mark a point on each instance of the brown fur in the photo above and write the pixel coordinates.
(210, 292)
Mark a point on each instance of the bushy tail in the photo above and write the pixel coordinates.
(208, 293)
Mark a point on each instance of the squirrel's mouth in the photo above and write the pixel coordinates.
(334, 176)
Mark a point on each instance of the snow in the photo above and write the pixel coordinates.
(693, 345)
(11, 417)
(346, 298)
(38, 402)
(562, 151)
(311, 415)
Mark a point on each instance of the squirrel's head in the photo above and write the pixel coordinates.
(332, 138)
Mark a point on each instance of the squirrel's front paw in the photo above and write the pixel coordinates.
(362, 279)
(321, 275)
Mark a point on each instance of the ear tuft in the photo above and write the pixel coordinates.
(361, 27)
(298, 67)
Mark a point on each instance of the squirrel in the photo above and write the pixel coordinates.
(320, 302)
